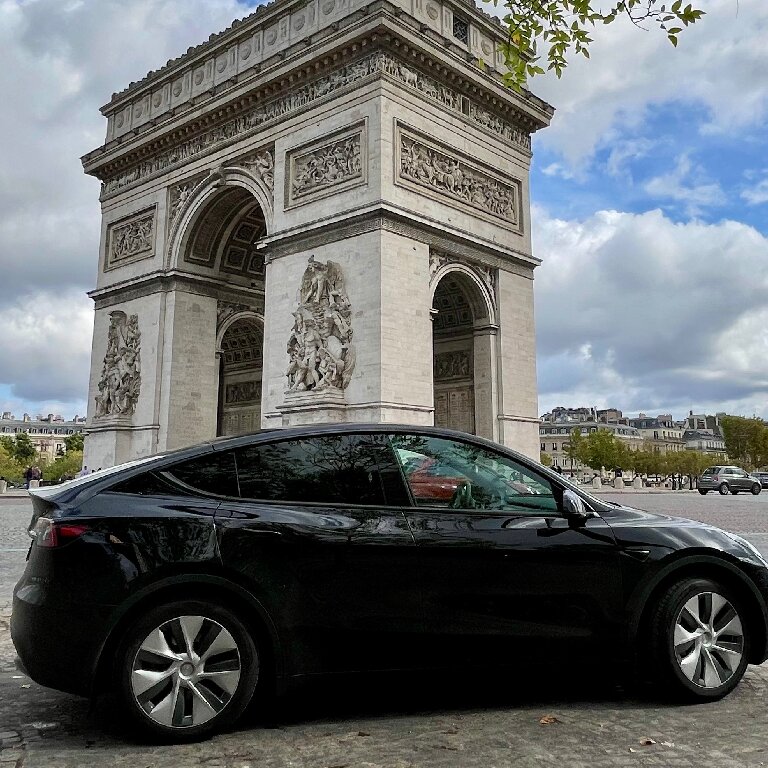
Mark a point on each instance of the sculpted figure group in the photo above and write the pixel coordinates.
(320, 350)
(121, 374)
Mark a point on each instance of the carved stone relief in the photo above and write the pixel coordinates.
(121, 374)
(262, 165)
(327, 165)
(453, 365)
(225, 310)
(131, 240)
(249, 122)
(242, 393)
(444, 172)
(178, 195)
(320, 349)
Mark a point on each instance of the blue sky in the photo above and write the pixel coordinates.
(649, 202)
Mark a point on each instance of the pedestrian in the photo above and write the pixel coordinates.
(83, 472)
(27, 477)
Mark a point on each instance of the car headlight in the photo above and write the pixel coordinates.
(749, 547)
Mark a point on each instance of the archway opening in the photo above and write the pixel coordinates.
(223, 246)
(453, 354)
(240, 373)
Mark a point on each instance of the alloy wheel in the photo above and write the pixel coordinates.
(186, 671)
(708, 640)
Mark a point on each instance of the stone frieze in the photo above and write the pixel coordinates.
(120, 380)
(379, 63)
(132, 239)
(445, 172)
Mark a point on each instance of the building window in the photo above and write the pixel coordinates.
(461, 29)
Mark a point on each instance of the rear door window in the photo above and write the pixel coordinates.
(213, 474)
(333, 469)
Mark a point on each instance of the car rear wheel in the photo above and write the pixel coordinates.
(724, 489)
(185, 670)
(699, 639)
(756, 488)
(703, 492)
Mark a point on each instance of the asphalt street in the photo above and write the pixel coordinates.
(579, 717)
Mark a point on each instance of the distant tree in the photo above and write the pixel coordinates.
(65, 467)
(574, 448)
(75, 442)
(21, 448)
(746, 440)
(563, 27)
(600, 449)
(545, 459)
(10, 469)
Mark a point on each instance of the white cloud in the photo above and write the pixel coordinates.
(757, 194)
(719, 64)
(686, 183)
(636, 311)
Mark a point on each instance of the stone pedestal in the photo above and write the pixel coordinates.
(597, 483)
(637, 483)
(3, 486)
(325, 406)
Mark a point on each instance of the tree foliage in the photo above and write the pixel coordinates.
(20, 447)
(565, 27)
(75, 442)
(10, 469)
(746, 440)
(545, 459)
(65, 467)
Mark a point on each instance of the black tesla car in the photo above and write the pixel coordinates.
(191, 583)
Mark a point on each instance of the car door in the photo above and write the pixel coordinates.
(313, 536)
(500, 567)
(742, 480)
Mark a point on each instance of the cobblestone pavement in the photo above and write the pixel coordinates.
(404, 723)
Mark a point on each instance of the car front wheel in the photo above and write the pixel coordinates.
(703, 492)
(185, 670)
(724, 489)
(699, 639)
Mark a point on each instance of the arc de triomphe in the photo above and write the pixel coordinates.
(319, 214)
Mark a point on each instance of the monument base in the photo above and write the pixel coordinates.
(318, 406)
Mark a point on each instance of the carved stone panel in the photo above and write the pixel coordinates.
(242, 393)
(326, 167)
(453, 365)
(131, 239)
(261, 164)
(320, 345)
(462, 182)
(178, 195)
(121, 373)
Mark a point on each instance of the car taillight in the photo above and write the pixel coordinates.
(49, 533)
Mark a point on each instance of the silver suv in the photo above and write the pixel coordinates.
(727, 480)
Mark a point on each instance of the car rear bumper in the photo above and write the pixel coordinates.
(57, 648)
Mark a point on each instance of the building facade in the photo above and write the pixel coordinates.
(46, 433)
(321, 214)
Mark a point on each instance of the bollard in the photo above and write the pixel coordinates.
(34, 483)
(618, 482)
(637, 483)
(596, 484)
(3, 486)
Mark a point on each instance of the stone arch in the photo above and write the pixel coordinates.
(204, 195)
(463, 350)
(240, 355)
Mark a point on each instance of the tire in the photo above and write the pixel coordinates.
(756, 488)
(186, 670)
(699, 640)
(703, 492)
(724, 489)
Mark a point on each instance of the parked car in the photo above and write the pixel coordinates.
(190, 583)
(762, 477)
(728, 480)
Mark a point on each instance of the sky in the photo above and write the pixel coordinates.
(649, 203)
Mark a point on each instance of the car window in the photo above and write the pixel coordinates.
(150, 484)
(336, 469)
(213, 473)
(457, 475)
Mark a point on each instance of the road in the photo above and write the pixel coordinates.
(420, 723)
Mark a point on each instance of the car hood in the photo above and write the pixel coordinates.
(636, 527)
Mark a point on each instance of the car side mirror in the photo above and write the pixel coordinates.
(574, 507)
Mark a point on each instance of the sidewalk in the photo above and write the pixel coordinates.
(15, 493)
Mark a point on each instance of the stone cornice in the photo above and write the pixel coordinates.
(385, 32)
(488, 104)
(242, 31)
(174, 280)
(390, 218)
